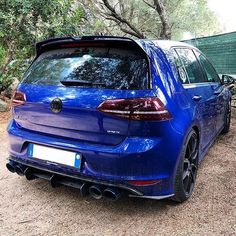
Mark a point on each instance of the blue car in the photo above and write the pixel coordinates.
(113, 116)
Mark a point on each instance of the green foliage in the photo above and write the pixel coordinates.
(15, 69)
(192, 16)
(24, 22)
(2, 54)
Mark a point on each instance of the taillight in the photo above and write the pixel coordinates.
(150, 108)
(18, 98)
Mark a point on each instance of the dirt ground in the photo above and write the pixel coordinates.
(34, 208)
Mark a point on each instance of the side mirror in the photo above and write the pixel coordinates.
(230, 83)
(227, 79)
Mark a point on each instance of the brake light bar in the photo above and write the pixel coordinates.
(18, 98)
(149, 108)
(74, 45)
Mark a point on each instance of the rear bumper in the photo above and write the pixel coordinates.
(57, 179)
(134, 159)
(45, 173)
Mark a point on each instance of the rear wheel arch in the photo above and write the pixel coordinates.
(194, 127)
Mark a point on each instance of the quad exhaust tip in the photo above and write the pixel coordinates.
(96, 191)
(11, 166)
(20, 169)
(112, 194)
(16, 168)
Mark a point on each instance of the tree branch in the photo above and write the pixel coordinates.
(166, 30)
(129, 32)
(114, 14)
(149, 4)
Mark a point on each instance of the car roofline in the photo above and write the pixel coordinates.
(168, 44)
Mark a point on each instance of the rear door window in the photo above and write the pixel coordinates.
(115, 68)
(191, 65)
(210, 71)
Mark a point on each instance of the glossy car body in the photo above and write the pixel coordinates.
(116, 151)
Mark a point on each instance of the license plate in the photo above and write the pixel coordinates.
(54, 155)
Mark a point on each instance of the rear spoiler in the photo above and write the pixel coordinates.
(40, 46)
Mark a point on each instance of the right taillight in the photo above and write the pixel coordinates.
(149, 108)
(18, 98)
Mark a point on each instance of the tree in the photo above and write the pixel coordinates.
(192, 16)
(162, 19)
(160, 8)
(23, 22)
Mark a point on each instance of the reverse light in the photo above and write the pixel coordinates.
(18, 98)
(149, 108)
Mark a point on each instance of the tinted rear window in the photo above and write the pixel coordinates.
(115, 68)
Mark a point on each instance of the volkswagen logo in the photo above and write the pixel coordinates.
(56, 105)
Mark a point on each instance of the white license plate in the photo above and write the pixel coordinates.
(54, 155)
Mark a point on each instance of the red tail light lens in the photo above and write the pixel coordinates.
(143, 182)
(150, 108)
(18, 98)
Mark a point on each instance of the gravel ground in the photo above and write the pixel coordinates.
(34, 208)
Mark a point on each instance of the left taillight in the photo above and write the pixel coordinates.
(18, 99)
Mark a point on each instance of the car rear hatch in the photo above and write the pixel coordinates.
(70, 79)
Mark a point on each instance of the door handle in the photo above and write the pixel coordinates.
(197, 98)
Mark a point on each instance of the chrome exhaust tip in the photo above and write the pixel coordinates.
(112, 194)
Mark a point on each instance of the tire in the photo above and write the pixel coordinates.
(187, 168)
(227, 119)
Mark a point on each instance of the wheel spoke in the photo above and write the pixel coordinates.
(194, 144)
(186, 174)
(186, 183)
(190, 183)
(186, 163)
(188, 151)
(193, 156)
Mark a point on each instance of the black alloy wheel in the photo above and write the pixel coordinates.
(187, 168)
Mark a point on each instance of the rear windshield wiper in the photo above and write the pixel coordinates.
(80, 83)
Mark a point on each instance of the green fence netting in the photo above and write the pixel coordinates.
(220, 49)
